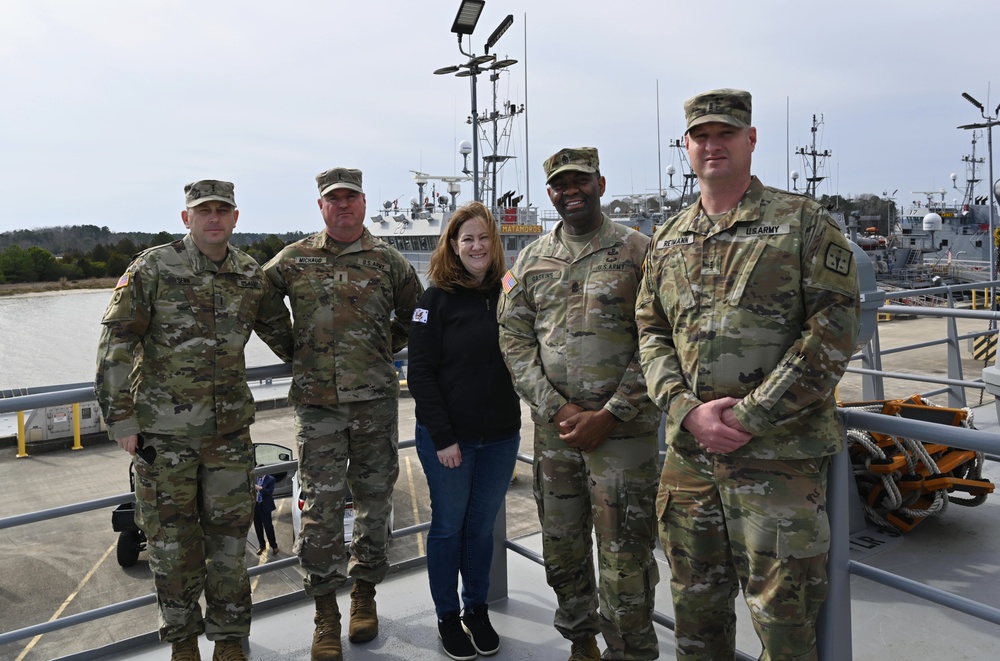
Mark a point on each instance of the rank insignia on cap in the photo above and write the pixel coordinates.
(508, 282)
(123, 281)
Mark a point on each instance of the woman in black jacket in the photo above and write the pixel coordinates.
(468, 423)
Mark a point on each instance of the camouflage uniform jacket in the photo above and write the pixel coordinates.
(352, 309)
(567, 327)
(762, 305)
(171, 356)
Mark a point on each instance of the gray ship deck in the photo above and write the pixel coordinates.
(957, 552)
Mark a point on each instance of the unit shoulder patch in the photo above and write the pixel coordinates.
(838, 259)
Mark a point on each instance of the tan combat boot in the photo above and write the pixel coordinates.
(326, 637)
(185, 650)
(230, 649)
(364, 619)
(585, 649)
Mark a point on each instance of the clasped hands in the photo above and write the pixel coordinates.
(582, 429)
(715, 427)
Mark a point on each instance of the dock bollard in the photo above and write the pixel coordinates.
(22, 447)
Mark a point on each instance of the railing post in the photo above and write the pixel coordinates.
(956, 394)
(833, 631)
(872, 387)
(991, 377)
(498, 568)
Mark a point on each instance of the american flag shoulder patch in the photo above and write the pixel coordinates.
(123, 281)
(508, 282)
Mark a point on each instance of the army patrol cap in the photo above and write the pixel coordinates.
(335, 178)
(576, 159)
(206, 190)
(728, 106)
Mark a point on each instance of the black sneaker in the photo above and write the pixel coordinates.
(454, 640)
(477, 624)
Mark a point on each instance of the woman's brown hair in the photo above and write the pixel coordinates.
(446, 270)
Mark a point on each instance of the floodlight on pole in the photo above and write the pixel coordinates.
(968, 97)
(467, 17)
(465, 24)
(503, 27)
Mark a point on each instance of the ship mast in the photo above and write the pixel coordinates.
(970, 173)
(813, 160)
(496, 125)
(690, 179)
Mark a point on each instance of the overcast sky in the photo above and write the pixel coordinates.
(109, 108)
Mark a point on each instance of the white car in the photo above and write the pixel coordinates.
(300, 502)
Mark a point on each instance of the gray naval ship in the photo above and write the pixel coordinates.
(416, 229)
(940, 232)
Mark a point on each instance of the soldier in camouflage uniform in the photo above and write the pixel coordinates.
(568, 334)
(171, 381)
(352, 298)
(748, 315)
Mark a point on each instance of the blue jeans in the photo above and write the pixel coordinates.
(464, 504)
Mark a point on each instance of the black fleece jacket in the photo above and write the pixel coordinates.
(455, 372)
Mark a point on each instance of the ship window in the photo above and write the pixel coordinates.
(433, 241)
(423, 243)
(944, 242)
(512, 243)
(407, 245)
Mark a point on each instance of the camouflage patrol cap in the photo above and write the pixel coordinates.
(206, 190)
(335, 178)
(578, 159)
(728, 106)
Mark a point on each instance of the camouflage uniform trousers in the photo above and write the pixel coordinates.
(195, 504)
(610, 491)
(729, 521)
(346, 445)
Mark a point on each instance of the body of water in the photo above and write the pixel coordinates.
(51, 338)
